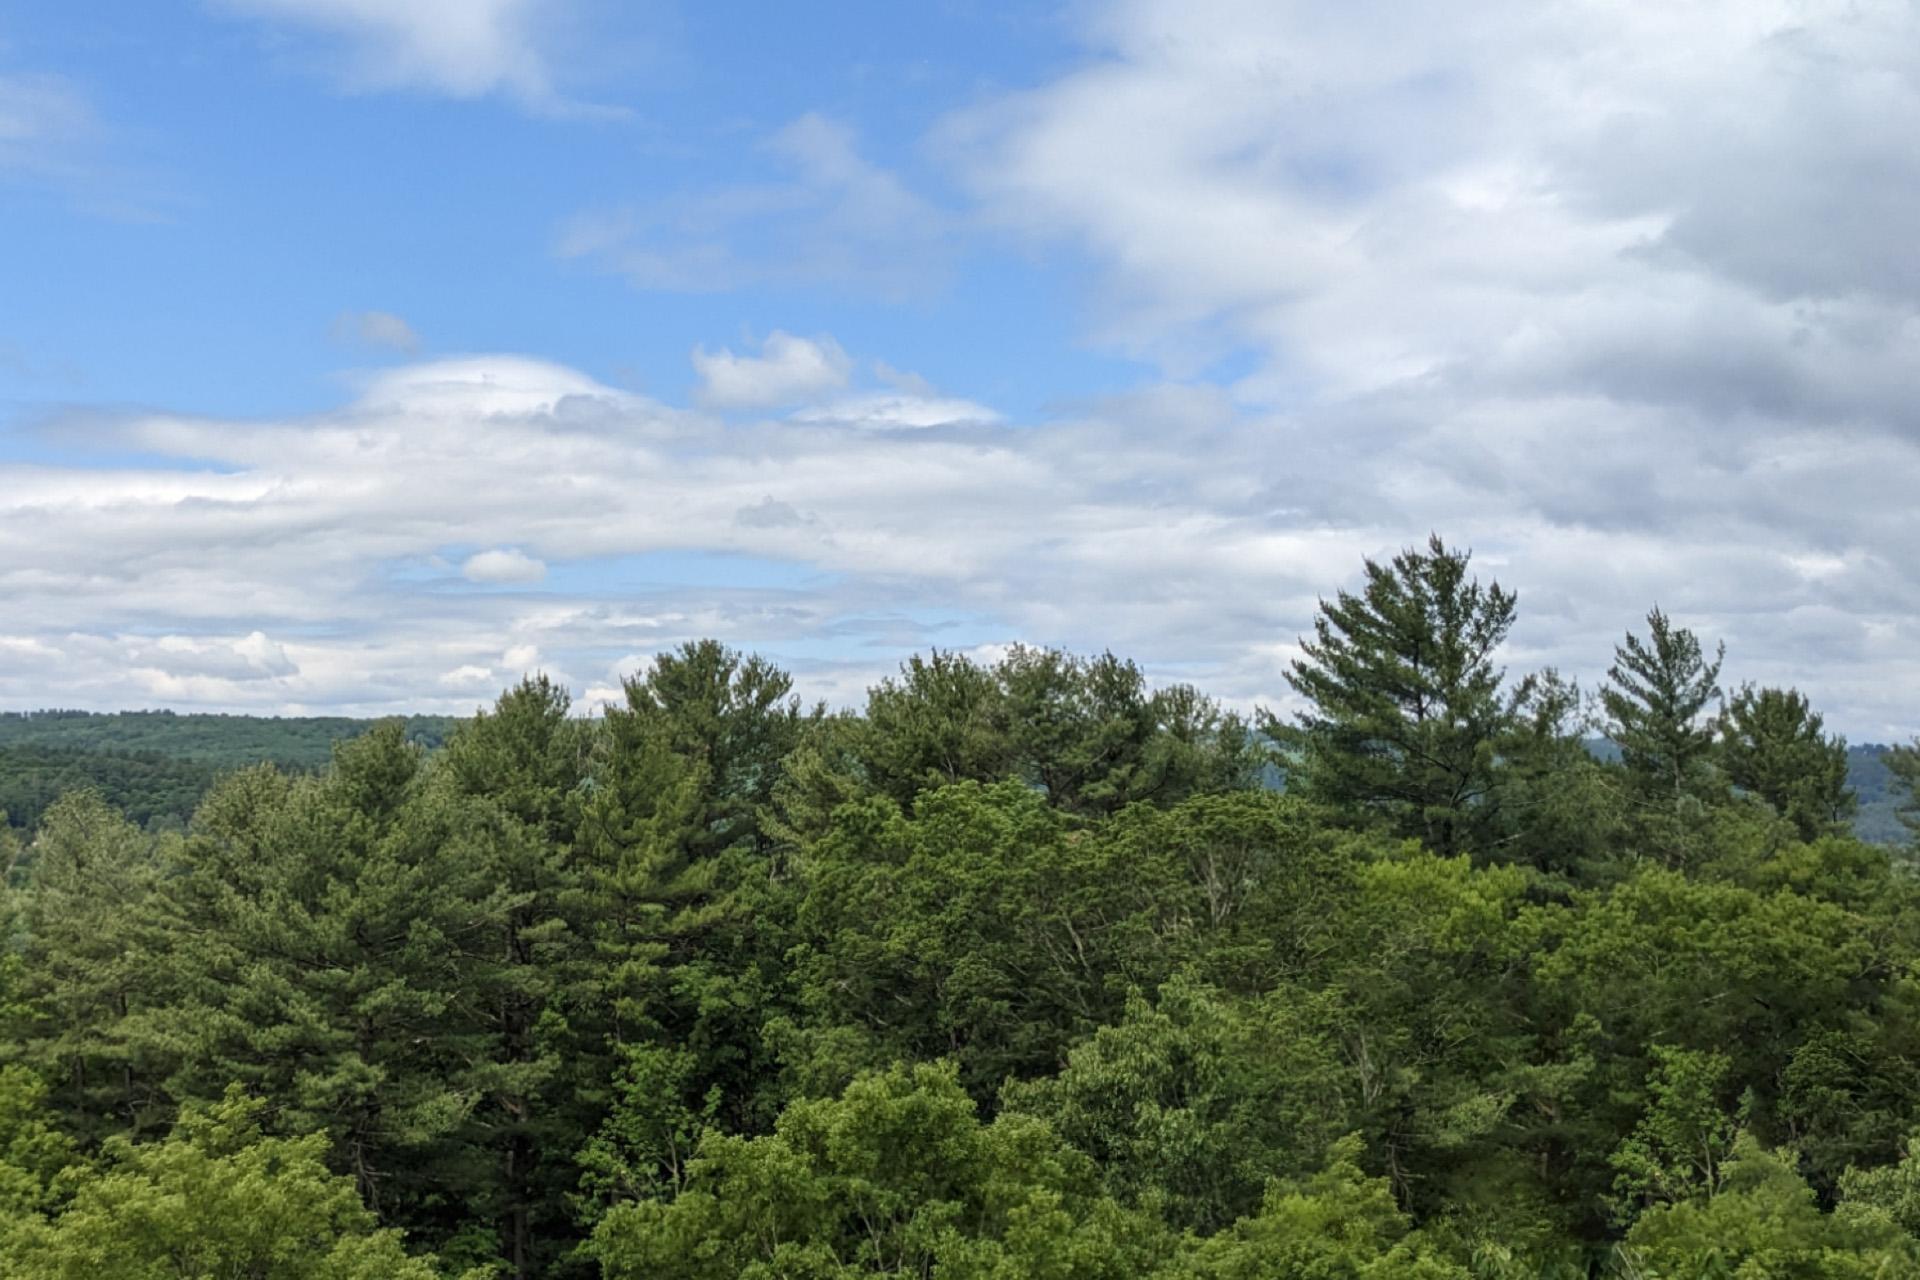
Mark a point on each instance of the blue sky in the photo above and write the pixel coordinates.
(235, 202)
(363, 354)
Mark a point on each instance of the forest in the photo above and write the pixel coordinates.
(1025, 969)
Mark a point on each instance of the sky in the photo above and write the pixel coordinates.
(361, 356)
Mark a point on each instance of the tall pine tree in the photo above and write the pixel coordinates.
(1405, 705)
(1656, 699)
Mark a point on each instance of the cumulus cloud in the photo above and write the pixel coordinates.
(830, 218)
(377, 329)
(1699, 205)
(502, 565)
(788, 370)
(1173, 525)
(460, 48)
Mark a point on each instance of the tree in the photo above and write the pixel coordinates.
(1198, 1101)
(89, 975)
(942, 720)
(1405, 707)
(216, 1198)
(1772, 746)
(1091, 736)
(1764, 1222)
(1338, 1224)
(732, 715)
(506, 840)
(1903, 763)
(898, 1176)
(1682, 1143)
(1657, 690)
(685, 872)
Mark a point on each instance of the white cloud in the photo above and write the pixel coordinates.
(377, 329)
(460, 48)
(831, 218)
(788, 370)
(1170, 525)
(1687, 202)
(503, 565)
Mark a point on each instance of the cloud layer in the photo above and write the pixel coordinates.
(305, 563)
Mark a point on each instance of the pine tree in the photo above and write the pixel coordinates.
(1773, 747)
(525, 993)
(1658, 692)
(1405, 705)
(88, 977)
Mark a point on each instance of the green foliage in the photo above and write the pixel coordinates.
(1084, 732)
(34, 1155)
(1020, 973)
(1195, 1102)
(980, 927)
(1773, 747)
(1682, 1143)
(1903, 770)
(1763, 1222)
(1338, 1225)
(216, 1198)
(149, 790)
(218, 741)
(1656, 696)
(896, 1176)
(1406, 710)
(85, 981)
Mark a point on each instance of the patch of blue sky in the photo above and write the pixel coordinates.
(254, 202)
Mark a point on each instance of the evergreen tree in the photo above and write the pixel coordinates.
(1772, 746)
(1406, 711)
(732, 715)
(88, 973)
(942, 720)
(1657, 693)
(525, 991)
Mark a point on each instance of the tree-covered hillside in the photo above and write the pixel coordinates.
(222, 741)
(1022, 971)
(154, 766)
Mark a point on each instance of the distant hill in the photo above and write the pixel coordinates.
(155, 765)
(223, 741)
(1868, 775)
(151, 789)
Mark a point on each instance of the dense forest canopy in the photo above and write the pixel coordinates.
(1024, 970)
(154, 766)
